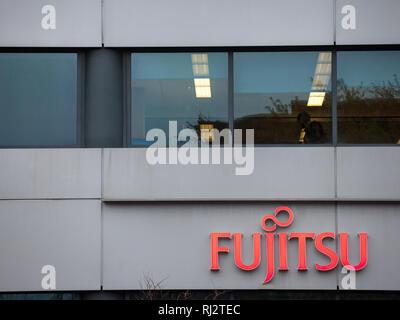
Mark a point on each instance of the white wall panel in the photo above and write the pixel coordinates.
(77, 23)
(171, 243)
(158, 23)
(381, 221)
(61, 233)
(375, 22)
(300, 173)
(50, 173)
(368, 173)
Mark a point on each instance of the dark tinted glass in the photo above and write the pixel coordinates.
(38, 99)
(190, 88)
(368, 97)
(284, 96)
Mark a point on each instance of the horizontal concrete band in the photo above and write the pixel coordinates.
(158, 23)
(50, 173)
(177, 23)
(280, 173)
(137, 244)
(170, 244)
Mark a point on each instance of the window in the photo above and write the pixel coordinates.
(38, 99)
(368, 95)
(284, 96)
(190, 88)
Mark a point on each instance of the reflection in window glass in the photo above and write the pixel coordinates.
(190, 88)
(38, 99)
(368, 91)
(284, 96)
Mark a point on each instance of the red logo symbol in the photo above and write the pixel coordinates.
(275, 219)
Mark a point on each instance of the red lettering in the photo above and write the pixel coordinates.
(302, 237)
(330, 253)
(256, 251)
(270, 257)
(283, 251)
(363, 251)
(215, 249)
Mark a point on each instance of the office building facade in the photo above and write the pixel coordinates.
(84, 83)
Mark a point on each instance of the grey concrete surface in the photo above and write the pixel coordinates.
(376, 22)
(381, 221)
(279, 173)
(171, 243)
(78, 23)
(157, 23)
(61, 233)
(50, 173)
(368, 173)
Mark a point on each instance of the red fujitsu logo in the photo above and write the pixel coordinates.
(301, 237)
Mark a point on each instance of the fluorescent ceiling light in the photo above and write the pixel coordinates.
(202, 87)
(323, 68)
(316, 99)
(200, 69)
(199, 58)
(200, 64)
(203, 92)
(318, 87)
(322, 73)
(320, 82)
(325, 57)
(202, 82)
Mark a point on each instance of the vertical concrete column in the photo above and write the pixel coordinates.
(103, 120)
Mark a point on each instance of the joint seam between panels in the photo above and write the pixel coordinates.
(334, 21)
(46, 199)
(101, 220)
(231, 116)
(336, 242)
(102, 22)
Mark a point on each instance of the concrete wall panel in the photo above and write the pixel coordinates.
(375, 22)
(368, 173)
(279, 173)
(77, 23)
(381, 222)
(61, 233)
(171, 243)
(158, 23)
(50, 173)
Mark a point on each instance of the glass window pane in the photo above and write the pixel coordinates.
(190, 88)
(368, 97)
(38, 99)
(284, 96)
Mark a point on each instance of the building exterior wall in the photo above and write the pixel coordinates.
(153, 233)
(108, 220)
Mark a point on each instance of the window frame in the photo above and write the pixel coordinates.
(366, 48)
(128, 84)
(230, 51)
(80, 103)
